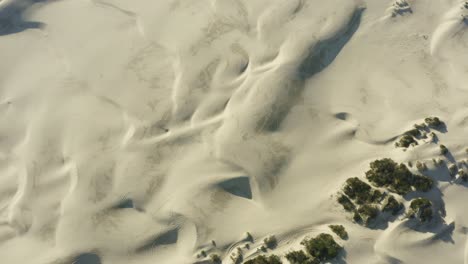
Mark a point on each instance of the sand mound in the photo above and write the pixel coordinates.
(186, 131)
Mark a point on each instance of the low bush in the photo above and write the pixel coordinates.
(421, 166)
(421, 208)
(356, 217)
(215, 259)
(433, 122)
(396, 177)
(346, 203)
(413, 132)
(463, 175)
(270, 242)
(392, 205)
(420, 126)
(453, 169)
(272, 259)
(322, 248)
(299, 257)
(339, 230)
(406, 141)
(422, 183)
(360, 191)
(368, 213)
(443, 150)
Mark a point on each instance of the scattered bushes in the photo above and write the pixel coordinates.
(421, 208)
(420, 126)
(270, 242)
(215, 259)
(299, 257)
(421, 166)
(361, 192)
(433, 122)
(453, 169)
(413, 132)
(346, 203)
(272, 259)
(368, 213)
(396, 177)
(322, 248)
(392, 205)
(463, 175)
(339, 230)
(422, 183)
(237, 257)
(406, 141)
(443, 150)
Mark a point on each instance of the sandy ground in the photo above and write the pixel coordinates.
(146, 131)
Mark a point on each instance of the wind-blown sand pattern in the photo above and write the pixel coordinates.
(167, 131)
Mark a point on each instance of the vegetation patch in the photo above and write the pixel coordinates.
(361, 192)
(396, 177)
(346, 203)
(433, 122)
(339, 230)
(322, 248)
(299, 257)
(368, 213)
(272, 259)
(415, 132)
(453, 169)
(421, 208)
(406, 141)
(392, 205)
(270, 242)
(463, 175)
(214, 258)
(443, 150)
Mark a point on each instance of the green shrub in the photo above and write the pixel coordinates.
(368, 213)
(322, 248)
(270, 242)
(422, 183)
(421, 166)
(420, 126)
(392, 205)
(413, 132)
(453, 169)
(356, 217)
(421, 208)
(215, 259)
(463, 175)
(339, 230)
(272, 259)
(443, 150)
(396, 177)
(236, 257)
(433, 122)
(299, 257)
(360, 191)
(346, 203)
(406, 141)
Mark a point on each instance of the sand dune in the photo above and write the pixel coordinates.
(169, 131)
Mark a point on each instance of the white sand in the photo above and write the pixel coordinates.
(217, 117)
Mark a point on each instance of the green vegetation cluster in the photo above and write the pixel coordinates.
(409, 138)
(366, 202)
(421, 209)
(339, 230)
(319, 249)
(396, 177)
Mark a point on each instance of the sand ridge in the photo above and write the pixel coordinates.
(153, 131)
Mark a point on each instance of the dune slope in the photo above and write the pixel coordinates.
(167, 131)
